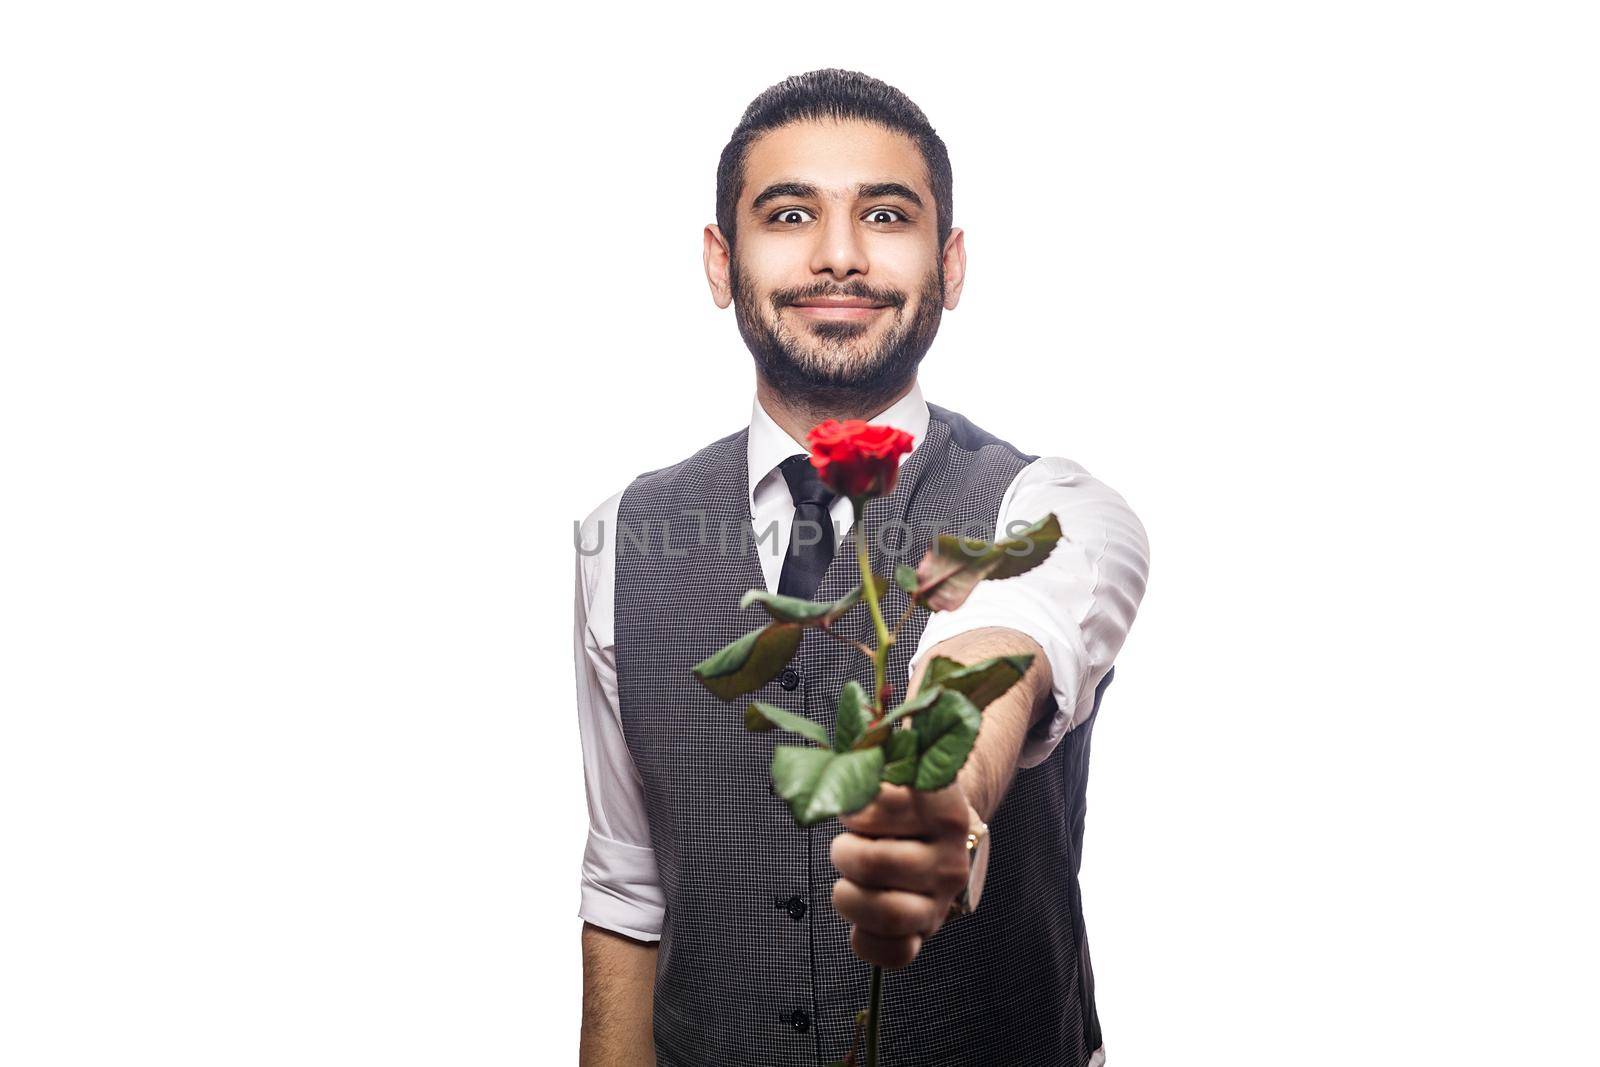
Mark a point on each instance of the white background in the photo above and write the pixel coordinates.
(323, 321)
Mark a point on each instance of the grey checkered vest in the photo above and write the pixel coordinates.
(755, 967)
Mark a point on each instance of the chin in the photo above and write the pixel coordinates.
(850, 372)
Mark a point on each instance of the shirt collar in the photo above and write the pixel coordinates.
(770, 444)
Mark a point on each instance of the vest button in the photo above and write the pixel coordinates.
(799, 1020)
(796, 908)
(789, 679)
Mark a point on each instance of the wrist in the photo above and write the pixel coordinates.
(977, 842)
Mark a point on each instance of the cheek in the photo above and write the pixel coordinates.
(772, 263)
(915, 285)
(905, 257)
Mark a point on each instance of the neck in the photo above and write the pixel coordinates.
(797, 416)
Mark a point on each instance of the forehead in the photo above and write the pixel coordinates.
(835, 156)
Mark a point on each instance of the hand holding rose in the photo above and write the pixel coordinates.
(902, 861)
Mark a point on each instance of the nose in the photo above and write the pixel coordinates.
(838, 250)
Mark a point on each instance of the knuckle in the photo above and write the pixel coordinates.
(839, 850)
(847, 900)
(886, 952)
(875, 866)
(893, 798)
(864, 817)
(904, 951)
(902, 919)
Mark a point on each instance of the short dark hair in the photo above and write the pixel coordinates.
(837, 94)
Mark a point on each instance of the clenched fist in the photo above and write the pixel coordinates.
(902, 860)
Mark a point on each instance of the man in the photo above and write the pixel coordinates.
(717, 931)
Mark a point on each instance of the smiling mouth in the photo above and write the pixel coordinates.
(838, 310)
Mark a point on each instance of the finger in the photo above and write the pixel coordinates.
(893, 812)
(890, 953)
(944, 810)
(900, 863)
(885, 912)
(900, 811)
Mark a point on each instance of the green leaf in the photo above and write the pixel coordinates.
(874, 737)
(750, 662)
(819, 783)
(945, 736)
(759, 717)
(923, 700)
(905, 577)
(853, 716)
(985, 680)
(949, 576)
(939, 666)
(1029, 548)
(809, 612)
(796, 609)
(901, 765)
(953, 566)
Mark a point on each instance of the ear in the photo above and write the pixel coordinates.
(716, 258)
(955, 267)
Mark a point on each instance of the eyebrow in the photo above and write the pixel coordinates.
(807, 191)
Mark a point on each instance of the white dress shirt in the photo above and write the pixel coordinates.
(1078, 605)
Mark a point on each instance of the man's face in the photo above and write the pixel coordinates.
(837, 275)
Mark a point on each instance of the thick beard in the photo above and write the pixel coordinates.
(867, 384)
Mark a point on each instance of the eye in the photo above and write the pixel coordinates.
(784, 215)
(872, 216)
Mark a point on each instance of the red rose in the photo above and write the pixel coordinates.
(856, 459)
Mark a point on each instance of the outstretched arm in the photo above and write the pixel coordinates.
(904, 857)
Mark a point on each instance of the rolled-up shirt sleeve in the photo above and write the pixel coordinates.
(619, 884)
(1078, 604)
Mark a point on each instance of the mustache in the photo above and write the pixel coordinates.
(852, 291)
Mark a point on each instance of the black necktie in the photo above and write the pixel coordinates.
(811, 533)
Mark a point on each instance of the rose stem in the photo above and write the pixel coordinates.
(904, 615)
(873, 1002)
(880, 658)
(879, 664)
